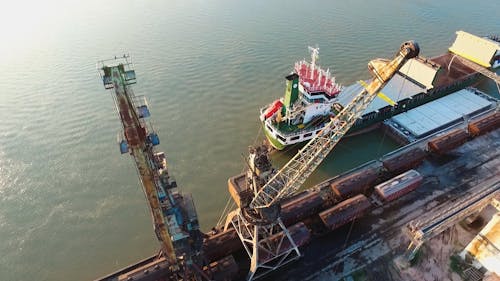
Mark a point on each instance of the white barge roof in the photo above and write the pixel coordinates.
(437, 114)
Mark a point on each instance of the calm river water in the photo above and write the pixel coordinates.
(71, 207)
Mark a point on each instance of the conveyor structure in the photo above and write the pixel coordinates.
(423, 229)
(174, 217)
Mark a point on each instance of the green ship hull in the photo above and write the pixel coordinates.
(273, 141)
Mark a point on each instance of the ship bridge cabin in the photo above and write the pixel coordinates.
(316, 96)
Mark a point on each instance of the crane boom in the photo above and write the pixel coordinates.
(174, 217)
(135, 134)
(291, 177)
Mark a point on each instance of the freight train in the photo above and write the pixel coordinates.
(443, 144)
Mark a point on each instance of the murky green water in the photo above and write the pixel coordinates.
(71, 207)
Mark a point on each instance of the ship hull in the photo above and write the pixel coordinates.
(273, 141)
(280, 140)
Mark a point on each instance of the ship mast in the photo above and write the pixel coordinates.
(314, 57)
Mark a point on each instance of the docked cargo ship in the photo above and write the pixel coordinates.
(419, 81)
(310, 95)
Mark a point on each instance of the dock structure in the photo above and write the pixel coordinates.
(137, 139)
(175, 221)
(465, 175)
(468, 172)
(478, 162)
(427, 227)
(484, 249)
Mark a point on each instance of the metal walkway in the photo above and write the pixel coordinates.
(425, 228)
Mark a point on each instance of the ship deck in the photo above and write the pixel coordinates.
(400, 88)
(286, 128)
(450, 73)
(397, 89)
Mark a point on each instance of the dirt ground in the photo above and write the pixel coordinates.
(433, 261)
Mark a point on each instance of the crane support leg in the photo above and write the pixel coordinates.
(268, 246)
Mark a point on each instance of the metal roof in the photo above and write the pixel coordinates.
(474, 48)
(421, 70)
(484, 247)
(434, 115)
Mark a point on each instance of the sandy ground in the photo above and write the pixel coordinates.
(434, 262)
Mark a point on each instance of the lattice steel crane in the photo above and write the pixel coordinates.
(174, 216)
(257, 220)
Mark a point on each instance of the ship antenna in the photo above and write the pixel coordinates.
(314, 57)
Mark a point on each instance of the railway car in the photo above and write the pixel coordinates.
(301, 206)
(399, 185)
(221, 244)
(225, 243)
(355, 183)
(345, 211)
(404, 161)
(445, 143)
(484, 125)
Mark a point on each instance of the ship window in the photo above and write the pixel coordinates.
(295, 138)
(307, 135)
(269, 127)
(281, 138)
